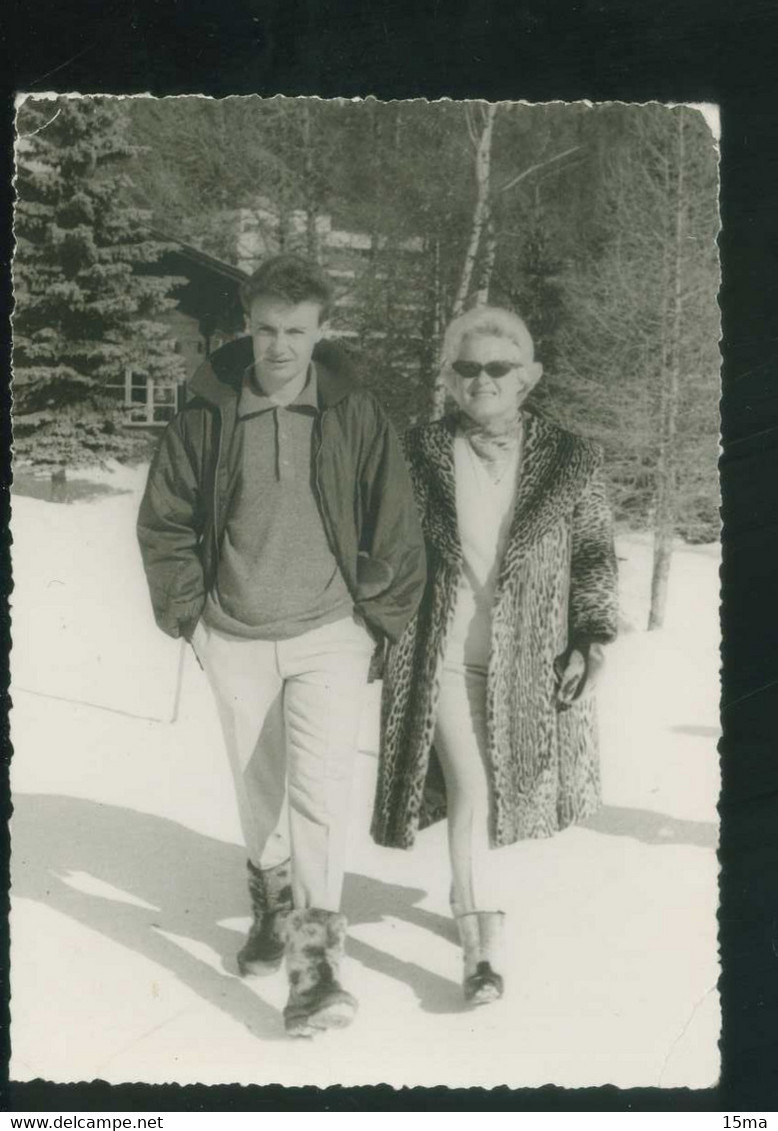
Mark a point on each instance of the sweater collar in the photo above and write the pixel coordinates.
(251, 401)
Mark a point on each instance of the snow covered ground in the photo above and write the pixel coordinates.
(128, 875)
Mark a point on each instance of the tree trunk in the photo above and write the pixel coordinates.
(660, 576)
(284, 227)
(309, 186)
(429, 354)
(490, 255)
(666, 472)
(483, 158)
(437, 298)
(59, 485)
(369, 283)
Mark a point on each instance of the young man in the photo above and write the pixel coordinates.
(280, 537)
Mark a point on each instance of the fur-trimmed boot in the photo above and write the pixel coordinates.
(480, 933)
(315, 942)
(271, 899)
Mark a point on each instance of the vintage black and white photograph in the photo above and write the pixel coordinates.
(365, 520)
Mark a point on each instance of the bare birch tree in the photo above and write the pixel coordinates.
(483, 163)
(494, 223)
(666, 488)
(483, 156)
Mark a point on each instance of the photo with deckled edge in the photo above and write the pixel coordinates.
(137, 224)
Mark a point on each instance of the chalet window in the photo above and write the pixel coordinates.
(149, 400)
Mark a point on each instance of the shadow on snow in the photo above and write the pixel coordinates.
(192, 883)
(652, 828)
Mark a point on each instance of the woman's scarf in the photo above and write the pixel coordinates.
(495, 443)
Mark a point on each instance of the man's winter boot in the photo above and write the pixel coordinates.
(315, 942)
(480, 933)
(271, 899)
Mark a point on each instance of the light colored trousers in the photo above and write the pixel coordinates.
(290, 712)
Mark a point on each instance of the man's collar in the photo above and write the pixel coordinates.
(219, 379)
(251, 401)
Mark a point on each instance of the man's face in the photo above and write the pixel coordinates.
(487, 397)
(284, 335)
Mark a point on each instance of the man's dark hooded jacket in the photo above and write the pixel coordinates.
(359, 476)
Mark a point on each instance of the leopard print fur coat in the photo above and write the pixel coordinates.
(557, 587)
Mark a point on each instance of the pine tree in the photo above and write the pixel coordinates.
(84, 309)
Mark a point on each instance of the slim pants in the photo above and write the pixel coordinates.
(290, 713)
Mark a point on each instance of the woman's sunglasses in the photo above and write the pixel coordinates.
(469, 370)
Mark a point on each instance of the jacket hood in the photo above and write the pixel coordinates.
(218, 379)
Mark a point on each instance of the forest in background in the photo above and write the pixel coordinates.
(597, 223)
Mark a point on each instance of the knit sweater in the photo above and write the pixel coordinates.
(277, 576)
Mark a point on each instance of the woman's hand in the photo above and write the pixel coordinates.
(577, 672)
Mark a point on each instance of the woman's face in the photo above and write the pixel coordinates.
(487, 396)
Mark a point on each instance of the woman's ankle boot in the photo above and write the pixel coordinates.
(491, 931)
(480, 933)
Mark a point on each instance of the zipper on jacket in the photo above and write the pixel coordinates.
(317, 484)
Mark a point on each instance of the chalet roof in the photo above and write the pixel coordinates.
(202, 258)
